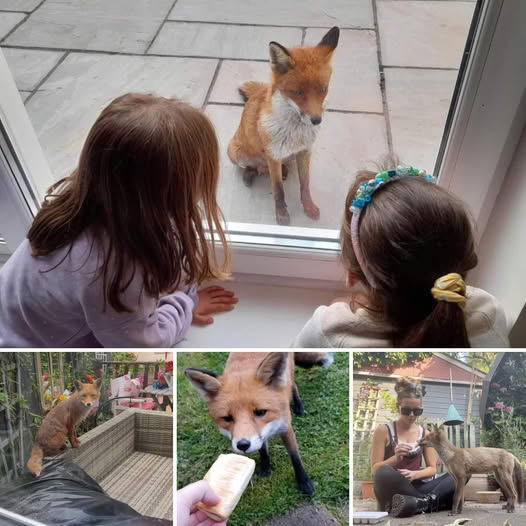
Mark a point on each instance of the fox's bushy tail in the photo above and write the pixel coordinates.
(247, 89)
(308, 359)
(518, 479)
(34, 464)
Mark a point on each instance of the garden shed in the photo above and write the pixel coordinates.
(377, 384)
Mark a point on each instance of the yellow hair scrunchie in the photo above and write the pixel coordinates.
(450, 288)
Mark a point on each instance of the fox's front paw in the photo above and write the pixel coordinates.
(75, 444)
(311, 210)
(265, 471)
(282, 216)
(306, 486)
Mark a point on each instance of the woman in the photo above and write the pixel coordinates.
(401, 485)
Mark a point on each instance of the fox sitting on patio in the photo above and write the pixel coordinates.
(60, 424)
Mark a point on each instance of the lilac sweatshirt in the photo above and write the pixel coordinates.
(64, 307)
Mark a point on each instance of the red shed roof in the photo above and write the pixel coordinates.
(435, 367)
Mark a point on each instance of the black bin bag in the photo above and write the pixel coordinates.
(64, 494)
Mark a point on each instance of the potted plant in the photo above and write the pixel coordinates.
(362, 470)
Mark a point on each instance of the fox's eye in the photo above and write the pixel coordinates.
(260, 412)
(228, 419)
(323, 90)
(297, 92)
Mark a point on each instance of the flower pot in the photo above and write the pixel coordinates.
(367, 490)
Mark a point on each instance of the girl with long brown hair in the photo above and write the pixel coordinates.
(115, 253)
(407, 246)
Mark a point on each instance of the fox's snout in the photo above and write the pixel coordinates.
(315, 120)
(243, 445)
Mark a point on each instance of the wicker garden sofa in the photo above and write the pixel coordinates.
(131, 457)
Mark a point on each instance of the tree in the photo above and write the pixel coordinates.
(387, 359)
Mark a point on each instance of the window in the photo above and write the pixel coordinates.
(395, 88)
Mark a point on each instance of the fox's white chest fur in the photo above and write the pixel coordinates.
(290, 131)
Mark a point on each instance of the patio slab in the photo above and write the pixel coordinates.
(423, 34)
(8, 21)
(418, 103)
(480, 515)
(221, 40)
(67, 104)
(346, 142)
(298, 13)
(19, 5)
(98, 25)
(30, 66)
(355, 83)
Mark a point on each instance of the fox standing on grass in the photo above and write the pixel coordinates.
(280, 120)
(60, 423)
(461, 463)
(250, 402)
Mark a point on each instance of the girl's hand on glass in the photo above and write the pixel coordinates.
(211, 301)
(187, 499)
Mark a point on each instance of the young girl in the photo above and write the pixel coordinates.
(407, 245)
(401, 485)
(113, 256)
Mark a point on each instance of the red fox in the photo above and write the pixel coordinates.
(60, 423)
(250, 402)
(280, 120)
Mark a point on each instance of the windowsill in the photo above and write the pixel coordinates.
(267, 315)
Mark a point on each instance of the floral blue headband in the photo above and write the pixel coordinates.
(364, 196)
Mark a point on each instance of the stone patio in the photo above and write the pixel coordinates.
(394, 73)
(480, 515)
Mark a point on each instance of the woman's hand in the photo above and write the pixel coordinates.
(411, 476)
(211, 301)
(401, 451)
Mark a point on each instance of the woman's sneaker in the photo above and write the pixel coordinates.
(406, 505)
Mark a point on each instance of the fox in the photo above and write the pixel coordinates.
(280, 120)
(60, 423)
(461, 463)
(250, 403)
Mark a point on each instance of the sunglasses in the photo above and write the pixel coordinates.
(406, 411)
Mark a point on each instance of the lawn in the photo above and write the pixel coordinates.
(322, 435)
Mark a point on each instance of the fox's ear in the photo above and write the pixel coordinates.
(330, 40)
(273, 369)
(205, 382)
(98, 383)
(280, 58)
(78, 385)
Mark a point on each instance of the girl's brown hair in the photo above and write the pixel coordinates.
(407, 387)
(147, 164)
(410, 234)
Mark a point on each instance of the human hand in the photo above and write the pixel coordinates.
(212, 300)
(187, 499)
(409, 475)
(401, 451)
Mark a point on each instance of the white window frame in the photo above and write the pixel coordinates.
(471, 163)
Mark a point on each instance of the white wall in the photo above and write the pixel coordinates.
(502, 250)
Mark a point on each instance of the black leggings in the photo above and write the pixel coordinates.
(389, 482)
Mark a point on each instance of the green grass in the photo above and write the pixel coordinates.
(322, 435)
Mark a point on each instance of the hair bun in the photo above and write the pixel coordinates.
(410, 385)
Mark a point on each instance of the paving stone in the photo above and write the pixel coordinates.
(221, 40)
(346, 143)
(418, 102)
(8, 21)
(299, 13)
(100, 25)
(19, 5)
(355, 83)
(424, 34)
(67, 104)
(30, 66)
